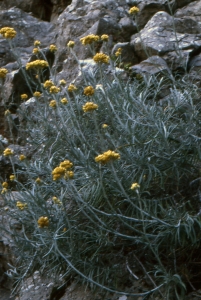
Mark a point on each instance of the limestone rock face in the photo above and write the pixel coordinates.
(28, 30)
(47, 10)
(158, 37)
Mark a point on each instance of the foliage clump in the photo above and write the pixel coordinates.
(100, 214)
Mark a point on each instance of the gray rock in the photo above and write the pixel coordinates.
(158, 37)
(128, 54)
(28, 30)
(154, 65)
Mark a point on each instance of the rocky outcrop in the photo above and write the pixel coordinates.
(46, 10)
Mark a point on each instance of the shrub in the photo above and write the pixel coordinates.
(112, 190)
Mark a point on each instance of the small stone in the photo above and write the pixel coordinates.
(123, 298)
(50, 284)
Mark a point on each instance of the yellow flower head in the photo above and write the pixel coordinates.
(37, 94)
(89, 39)
(35, 51)
(12, 177)
(134, 10)
(135, 186)
(37, 43)
(89, 106)
(4, 190)
(38, 180)
(107, 156)
(118, 52)
(24, 96)
(37, 64)
(21, 205)
(54, 89)
(8, 152)
(7, 112)
(56, 201)
(5, 184)
(101, 58)
(58, 172)
(43, 222)
(69, 175)
(71, 44)
(104, 126)
(53, 48)
(138, 76)
(62, 82)
(53, 103)
(89, 90)
(105, 37)
(66, 164)
(72, 88)
(22, 157)
(47, 84)
(3, 72)
(8, 32)
(64, 101)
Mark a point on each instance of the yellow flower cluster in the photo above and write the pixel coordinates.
(118, 52)
(24, 96)
(134, 10)
(22, 157)
(12, 177)
(53, 104)
(8, 32)
(38, 180)
(89, 39)
(66, 164)
(21, 205)
(3, 72)
(8, 152)
(64, 101)
(58, 172)
(7, 112)
(4, 190)
(89, 106)
(105, 37)
(37, 94)
(72, 88)
(62, 82)
(138, 76)
(35, 50)
(71, 44)
(107, 156)
(135, 186)
(53, 48)
(43, 222)
(69, 175)
(37, 64)
(89, 91)
(5, 184)
(54, 89)
(37, 43)
(61, 171)
(56, 201)
(101, 58)
(47, 84)
(104, 126)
